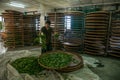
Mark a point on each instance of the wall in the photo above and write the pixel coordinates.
(44, 10)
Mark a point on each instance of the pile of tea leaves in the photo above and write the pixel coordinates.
(27, 65)
(55, 60)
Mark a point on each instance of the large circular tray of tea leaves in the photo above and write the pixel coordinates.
(55, 60)
(75, 63)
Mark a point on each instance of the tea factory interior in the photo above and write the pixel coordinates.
(59, 39)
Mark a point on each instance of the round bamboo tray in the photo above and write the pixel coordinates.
(50, 68)
(71, 66)
(71, 47)
(114, 54)
(95, 53)
(95, 27)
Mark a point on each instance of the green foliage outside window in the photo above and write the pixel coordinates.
(0, 25)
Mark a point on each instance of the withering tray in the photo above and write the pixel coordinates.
(72, 66)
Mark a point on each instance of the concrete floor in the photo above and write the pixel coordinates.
(110, 71)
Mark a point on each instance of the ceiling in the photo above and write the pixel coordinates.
(32, 5)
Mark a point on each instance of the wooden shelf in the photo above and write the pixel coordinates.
(18, 27)
(13, 27)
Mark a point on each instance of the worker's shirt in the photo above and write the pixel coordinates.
(48, 33)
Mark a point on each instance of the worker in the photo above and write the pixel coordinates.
(47, 31)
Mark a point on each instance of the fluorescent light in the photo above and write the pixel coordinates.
(17, 5)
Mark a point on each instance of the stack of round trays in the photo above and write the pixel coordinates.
(115, 35)
(96, 32)
(74, 38)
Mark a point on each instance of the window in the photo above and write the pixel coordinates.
(37, 24)
(68, 22)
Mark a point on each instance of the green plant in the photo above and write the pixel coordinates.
(27, 65)
(0, 25)
(56, 36)
(37, 40)
(41, 39)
